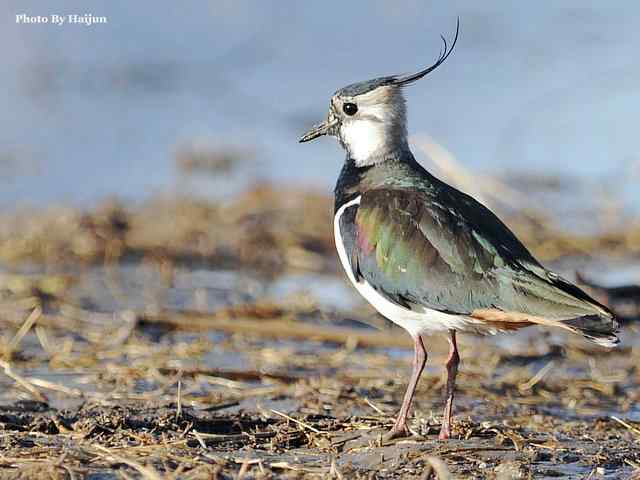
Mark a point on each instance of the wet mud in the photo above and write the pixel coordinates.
(226, 345)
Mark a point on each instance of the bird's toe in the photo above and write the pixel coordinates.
(445, 432)
(398, 431)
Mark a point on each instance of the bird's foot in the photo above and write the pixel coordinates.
(399, 430)
(445, 431)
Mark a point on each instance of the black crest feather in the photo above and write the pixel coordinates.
(444, 54)
(360, 88)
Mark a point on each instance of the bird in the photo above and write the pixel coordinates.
(427, 256)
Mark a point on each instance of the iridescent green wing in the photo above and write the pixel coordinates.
(452, 255)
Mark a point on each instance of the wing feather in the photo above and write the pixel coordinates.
(457, 259)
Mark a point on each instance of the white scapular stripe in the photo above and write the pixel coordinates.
(415, 322)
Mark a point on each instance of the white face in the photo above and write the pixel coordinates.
(364, 138)
(376, 129)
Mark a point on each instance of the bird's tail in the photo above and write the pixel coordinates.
(597, 324)
(596, 329)
(600, 329)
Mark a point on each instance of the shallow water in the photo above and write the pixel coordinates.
(95, 111)
(122, 391)
(111, 292)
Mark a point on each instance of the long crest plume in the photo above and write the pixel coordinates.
(400, 81)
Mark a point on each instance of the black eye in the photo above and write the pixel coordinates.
(350, 108)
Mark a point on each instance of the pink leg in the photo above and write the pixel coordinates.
(400, 429)
(452, 371)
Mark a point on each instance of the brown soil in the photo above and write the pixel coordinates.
(149, 343)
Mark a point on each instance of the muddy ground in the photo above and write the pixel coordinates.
(186, 339)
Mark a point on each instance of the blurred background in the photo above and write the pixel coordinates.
(547, 89)
(166, 244)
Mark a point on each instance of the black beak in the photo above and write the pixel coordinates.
(318, 131)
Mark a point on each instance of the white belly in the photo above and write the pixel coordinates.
(415, 322)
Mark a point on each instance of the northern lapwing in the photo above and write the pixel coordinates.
(427, 256)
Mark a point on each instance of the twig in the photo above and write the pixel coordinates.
(333, 470)
(626, 425)
(280, 328)
(246, 375)
(282, 465)
(225, 382)
(537, 377)
(23, 330)
(23, 382)
(302, 424)
(199, 438)
(72, 392)
(179, 401)
(372, 405)
(246, 466)
(146, 471)
(232, 437)
(44, 340)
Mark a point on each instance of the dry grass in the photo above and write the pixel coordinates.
(91, 393)
(265, 229)
(151, 387)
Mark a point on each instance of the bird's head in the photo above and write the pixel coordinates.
(369, 118)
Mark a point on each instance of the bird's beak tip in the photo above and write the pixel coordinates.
(304, 139)
(317, 131)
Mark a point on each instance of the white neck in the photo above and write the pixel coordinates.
(369, 141)
(363, 139)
